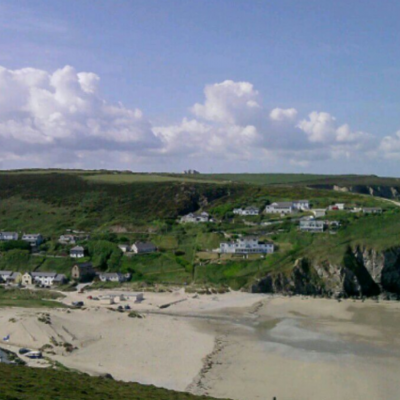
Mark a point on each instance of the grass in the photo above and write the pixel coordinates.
(23, 383)
(29, 298)
(118, 178)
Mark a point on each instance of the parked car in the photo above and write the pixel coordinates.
(78, 304)
(23, 351)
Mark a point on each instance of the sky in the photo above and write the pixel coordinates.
(308, 86)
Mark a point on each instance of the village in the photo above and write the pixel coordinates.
(245, 246)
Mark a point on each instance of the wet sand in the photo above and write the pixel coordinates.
(308, 349)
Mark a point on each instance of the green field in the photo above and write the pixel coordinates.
(23, 383)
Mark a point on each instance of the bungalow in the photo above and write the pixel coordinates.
(247, 245)
(5, 236)
(67, 239)
(35, 239)
(280, 208)
(196, 218)
(246, 211)
(112, 277)
(4, 275)
(77, 252)
(312, 225)
(124, 247)
(372, 210)
(143, 247)
(83, 272)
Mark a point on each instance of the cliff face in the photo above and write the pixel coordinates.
(387, 192)
(362, 273)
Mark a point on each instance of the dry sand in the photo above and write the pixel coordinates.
(235, 345)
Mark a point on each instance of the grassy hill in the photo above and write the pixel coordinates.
(23, 383)
(116, 207)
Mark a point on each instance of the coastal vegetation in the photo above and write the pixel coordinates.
(23, 383)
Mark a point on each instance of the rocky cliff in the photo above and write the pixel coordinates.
(387, 192)
(361, 273)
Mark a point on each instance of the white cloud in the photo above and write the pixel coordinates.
(321, 127)
(228, 102)
(61, 119)
(390, 146)
(64, 110)
(281, 114)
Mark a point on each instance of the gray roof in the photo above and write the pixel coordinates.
(143, 246)
(283, 204)
(8, 233)
(5, 272)
(60, 277)
(111, 274)
(43, 274)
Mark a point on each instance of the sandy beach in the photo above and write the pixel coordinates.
(235, 345)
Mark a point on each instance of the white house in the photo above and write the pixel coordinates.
(196, 218)
(337, 207)
(77, 252)
(312, 225)
(301, 205)
(247, 245)
(35, 239)
(67, 239)
(285, 207)
(246, 211)
(5, 236)
(112, 277)
(43, 278)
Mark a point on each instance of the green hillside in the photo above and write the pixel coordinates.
(22, 383)
(115, 208)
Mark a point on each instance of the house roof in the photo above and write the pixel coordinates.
(144, 246)
(5, 272)
(84, 266)
(282, 204)
(78, 248)
(8, 233)
(34, 235)
(43, 274)
(111, 274)
(60, 277)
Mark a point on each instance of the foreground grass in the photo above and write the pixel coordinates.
(29, 298)
(23, 383)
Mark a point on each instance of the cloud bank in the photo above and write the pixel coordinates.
(61, 119)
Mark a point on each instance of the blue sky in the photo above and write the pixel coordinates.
(340, 58)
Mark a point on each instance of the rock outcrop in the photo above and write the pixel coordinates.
(362, 273)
